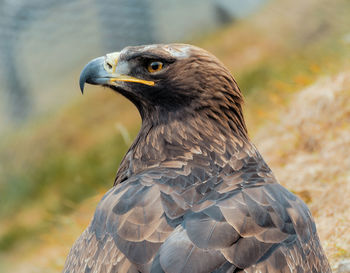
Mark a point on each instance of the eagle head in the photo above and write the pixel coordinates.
(173, 79)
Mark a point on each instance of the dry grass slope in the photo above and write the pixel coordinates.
(308, 149)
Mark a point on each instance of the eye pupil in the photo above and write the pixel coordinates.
(154, 65)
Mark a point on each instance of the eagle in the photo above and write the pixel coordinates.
(192, 194)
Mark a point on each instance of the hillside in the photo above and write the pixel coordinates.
(308, 149)
(291, 60)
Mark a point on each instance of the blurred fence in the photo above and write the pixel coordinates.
(43, 43)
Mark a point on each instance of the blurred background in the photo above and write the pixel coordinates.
(59, 151)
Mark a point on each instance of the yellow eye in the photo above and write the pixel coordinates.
(155, 66)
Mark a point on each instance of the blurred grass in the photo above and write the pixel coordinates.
(48, 168)
(283, 48)
(51, 170)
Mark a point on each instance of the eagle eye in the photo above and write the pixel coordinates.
(154, 66)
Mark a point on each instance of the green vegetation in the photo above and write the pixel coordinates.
(69, 178)
(60, 162)
(51, 171)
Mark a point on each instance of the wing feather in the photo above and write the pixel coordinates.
(217, 225)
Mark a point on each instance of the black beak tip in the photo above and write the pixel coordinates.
(84, 75)
(82, 84)
(92, 71)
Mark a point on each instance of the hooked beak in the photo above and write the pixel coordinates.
(107, 71)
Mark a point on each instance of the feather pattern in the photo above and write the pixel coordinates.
(194, 195)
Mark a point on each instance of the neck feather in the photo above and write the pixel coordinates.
(177, 139)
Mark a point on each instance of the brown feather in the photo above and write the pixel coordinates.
(192, 193)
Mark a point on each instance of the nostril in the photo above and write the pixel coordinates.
(109, 65)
